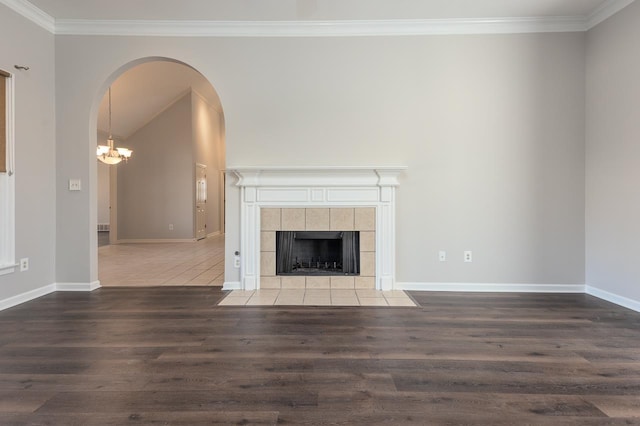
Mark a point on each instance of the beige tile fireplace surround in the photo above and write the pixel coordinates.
(362, 219)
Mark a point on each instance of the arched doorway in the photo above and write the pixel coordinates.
(156, 205)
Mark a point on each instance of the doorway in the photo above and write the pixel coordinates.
(169, 115)
(201, 201)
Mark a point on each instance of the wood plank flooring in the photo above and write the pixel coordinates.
(170, 356)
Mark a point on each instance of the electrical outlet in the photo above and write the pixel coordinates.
(236, 261)
(442, 255)
(24, 264)
(171, 227)
(75, 185)
(468, 256)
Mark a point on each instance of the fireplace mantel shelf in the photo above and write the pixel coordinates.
(298, 176)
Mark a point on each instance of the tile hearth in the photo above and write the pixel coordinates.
(292, 297)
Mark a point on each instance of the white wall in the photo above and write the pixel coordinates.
(491, 128)
(155, 188)
(24, 43)
(613, 155)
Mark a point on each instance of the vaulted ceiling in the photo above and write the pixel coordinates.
(139, 94)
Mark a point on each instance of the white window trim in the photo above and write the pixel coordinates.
(7, 189)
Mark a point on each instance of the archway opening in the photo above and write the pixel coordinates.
(160, 215)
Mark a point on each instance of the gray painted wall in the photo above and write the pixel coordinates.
(490, 126)
(155, 188)
(24, 43)
(613, 155)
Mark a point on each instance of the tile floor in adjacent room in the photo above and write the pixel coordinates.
(197, 263)
(290, 297)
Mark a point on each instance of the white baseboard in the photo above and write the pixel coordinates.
(177, 240)
(214, 234)
(231, 285)
(27, 296)
(454, 287)
(488, 287)
(632, 304)
(78, 286)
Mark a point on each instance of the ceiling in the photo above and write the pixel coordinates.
(302, 10)
(139, 94)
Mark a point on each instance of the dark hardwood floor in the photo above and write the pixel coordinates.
(169, 356)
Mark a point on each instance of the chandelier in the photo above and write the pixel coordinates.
(107, 153)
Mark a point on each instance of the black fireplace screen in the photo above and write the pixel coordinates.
(318, 253)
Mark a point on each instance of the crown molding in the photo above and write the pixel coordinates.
(319, 28)
(406, 27)
(605, 11)
(32, 13)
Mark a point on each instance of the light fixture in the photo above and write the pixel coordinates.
(107, 153)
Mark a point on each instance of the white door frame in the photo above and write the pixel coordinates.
(199, 166)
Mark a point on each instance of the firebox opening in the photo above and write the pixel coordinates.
(318, 253)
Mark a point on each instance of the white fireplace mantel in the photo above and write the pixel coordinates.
(320, 187)
(317, 176)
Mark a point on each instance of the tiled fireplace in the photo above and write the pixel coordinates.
(343, 200)
(360, 219)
